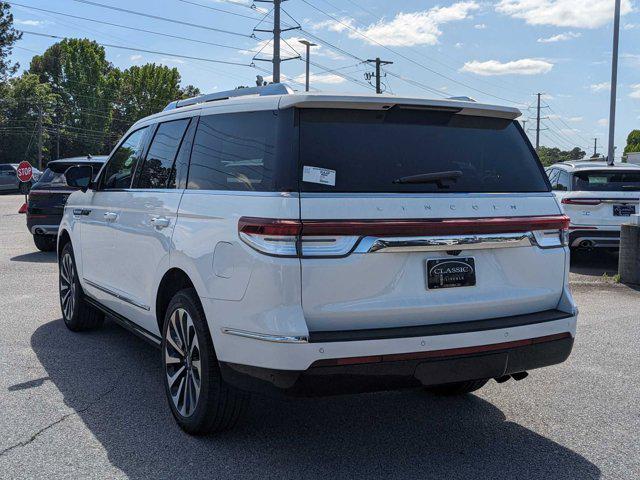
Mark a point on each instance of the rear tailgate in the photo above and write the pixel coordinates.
(603, 197)
(379, 254)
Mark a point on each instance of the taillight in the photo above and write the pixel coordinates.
(338, 238)
(581, 201)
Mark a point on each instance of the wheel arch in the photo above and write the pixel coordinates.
(63, 239)
(174, 280)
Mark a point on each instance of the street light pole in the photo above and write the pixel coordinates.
(308, 46)
(614, 85)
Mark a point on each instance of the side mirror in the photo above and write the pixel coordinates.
(79, 177)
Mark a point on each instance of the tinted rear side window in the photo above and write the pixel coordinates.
(606, 181)
(158, 167)
(243, 151)
(369, 150)
(120, 167)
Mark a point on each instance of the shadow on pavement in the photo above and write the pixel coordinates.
(36, 257)
(112, 380)
(597, 262)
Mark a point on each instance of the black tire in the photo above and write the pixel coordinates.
(77, 315)
(217, 406)
(45, 243)
(457, 388)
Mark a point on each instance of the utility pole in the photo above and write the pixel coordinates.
(614, 85)
(538, 124)
(277, 33)
(40, 139)
(308, 46)
(595, 147)
(379, 63)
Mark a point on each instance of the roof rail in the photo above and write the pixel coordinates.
(462, 99)
(272, 89)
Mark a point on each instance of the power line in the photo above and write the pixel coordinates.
(102, 22)
(155, 52)
(209, 7)
(409, 59)
(164, 19)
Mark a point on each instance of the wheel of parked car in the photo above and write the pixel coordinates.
(45, 243)
(199, 398)
(457, 388)
(78, 315)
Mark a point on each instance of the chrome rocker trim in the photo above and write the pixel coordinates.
(117, 295)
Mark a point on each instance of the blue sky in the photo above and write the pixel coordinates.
(499, 51)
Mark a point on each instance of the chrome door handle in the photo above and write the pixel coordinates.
(160, 222)
(110, 216)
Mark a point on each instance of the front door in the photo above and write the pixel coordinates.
(100, 260)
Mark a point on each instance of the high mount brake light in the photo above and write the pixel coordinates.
(581, 201)
(337, 238)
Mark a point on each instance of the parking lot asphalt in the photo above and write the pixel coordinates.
(91, 405)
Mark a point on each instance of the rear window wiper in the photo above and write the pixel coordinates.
(436, 177)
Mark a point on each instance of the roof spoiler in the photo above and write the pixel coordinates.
(272, 89)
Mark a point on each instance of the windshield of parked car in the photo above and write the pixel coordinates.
(369, 150)
(54, 175)
(607, 181)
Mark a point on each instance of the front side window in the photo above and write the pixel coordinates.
(234, 152)
(122, 164)
(158, 168)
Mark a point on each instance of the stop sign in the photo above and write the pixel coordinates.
(25, 172)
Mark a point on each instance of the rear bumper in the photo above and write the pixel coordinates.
(359, 361)
(594, 236)
(396, 372)
(43, 224)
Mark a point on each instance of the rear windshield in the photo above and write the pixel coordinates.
(408, 150)
(606, 181)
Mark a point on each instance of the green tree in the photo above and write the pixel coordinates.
(79, 73)
(549, 156)
(633, 142)
(24, 98)
(8, 36)
(147, 89)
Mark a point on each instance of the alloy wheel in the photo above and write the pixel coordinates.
(182, 362)
(67, 286)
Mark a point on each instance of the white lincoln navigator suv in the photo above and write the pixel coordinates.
(314, 244)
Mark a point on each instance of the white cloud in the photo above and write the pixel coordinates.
(575, 119)
(561, 37)
(480, 26)
(322, 78)
(563, 13)
(600, 87)
(635, 91)
(459, 45)
(631, 26)
(173, 60)
(135, 58)
(405, 29)
(525, 66)
(31, 23)
(603, 122)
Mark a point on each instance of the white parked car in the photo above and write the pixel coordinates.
(316, 244)
(598, 198)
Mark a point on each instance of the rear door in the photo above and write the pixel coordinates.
(415, 217)
(604, 197)
(8, 178)
(147, 218)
